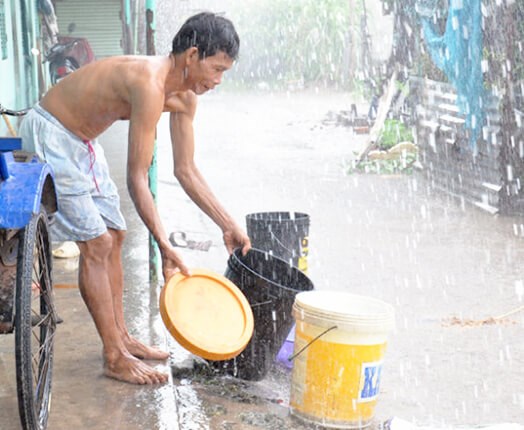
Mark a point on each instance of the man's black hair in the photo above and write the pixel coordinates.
(210, 33)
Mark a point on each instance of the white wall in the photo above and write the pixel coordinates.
(380, 29)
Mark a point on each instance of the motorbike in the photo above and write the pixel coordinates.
(67, 55)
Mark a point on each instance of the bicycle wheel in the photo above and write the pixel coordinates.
(35, 324)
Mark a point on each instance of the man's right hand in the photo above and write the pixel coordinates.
(235, 237)
(172, 263)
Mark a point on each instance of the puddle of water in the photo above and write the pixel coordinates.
(207, 401)
(221, 402)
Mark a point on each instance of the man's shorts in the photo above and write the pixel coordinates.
(88, 201)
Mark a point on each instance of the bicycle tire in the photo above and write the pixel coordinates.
(35, 324)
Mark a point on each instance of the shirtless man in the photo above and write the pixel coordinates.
(62, 129)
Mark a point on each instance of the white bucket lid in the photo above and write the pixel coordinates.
(344, 309)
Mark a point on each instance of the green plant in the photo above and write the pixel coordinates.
(393, 132)
(401, 165)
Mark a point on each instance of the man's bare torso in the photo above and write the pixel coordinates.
(89, 100)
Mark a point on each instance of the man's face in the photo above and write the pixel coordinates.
(205, 74)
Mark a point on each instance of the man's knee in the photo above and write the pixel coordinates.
(118, 237)
(98, 248)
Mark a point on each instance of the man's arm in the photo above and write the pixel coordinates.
(190, 178)
(146, 108)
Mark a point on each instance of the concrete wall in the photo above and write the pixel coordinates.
(19, 69)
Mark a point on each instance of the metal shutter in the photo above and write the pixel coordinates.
(97, 20)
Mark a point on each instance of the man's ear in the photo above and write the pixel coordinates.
(192, 54)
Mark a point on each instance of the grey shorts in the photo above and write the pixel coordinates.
(88, 201)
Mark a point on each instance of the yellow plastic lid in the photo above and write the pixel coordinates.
(207, 314)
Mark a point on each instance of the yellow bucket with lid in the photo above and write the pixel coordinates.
(340, 342)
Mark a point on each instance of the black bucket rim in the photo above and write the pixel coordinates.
(298, 216)
(241, 263)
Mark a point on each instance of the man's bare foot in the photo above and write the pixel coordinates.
(144, 352)
(129, 369)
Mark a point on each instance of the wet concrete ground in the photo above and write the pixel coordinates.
(391, 238)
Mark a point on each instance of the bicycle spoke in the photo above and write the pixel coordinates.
(43, 277)
(49, 305)
(38, 320)
(42, 371)
(47, 343)
(43, 350)
(35, 336)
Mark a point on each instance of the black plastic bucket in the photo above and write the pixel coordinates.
(285, 234)
(270, 284)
